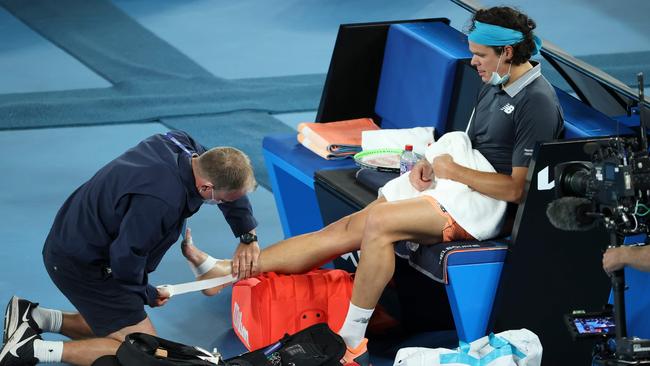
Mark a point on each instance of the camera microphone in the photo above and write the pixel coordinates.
(571, 214)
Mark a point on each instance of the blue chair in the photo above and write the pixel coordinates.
(415, 89)
(417, 76)
(434, 46)
(459, 264)
(472, 301)
(470, 271)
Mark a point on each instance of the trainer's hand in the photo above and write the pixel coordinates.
(614, 259)
(421, 174)
(245, 262)
(163, 297)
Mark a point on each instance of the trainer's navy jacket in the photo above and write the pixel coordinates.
(133, 209)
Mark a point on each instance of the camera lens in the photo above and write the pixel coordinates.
(573, 178)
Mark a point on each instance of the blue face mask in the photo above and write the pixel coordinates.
(497, 79)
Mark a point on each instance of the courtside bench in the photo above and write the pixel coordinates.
(427, 51)
(424, 78)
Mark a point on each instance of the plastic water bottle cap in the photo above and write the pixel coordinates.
(408, 147)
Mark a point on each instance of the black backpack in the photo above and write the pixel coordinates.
(147, 350)
(316, 345)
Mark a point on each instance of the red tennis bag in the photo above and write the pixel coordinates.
(266, 307)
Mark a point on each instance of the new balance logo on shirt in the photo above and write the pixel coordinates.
(508, 108)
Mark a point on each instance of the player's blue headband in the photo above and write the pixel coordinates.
(494, 35)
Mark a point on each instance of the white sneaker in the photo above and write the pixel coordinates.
(18, 311)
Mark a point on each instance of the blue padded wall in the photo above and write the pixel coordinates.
(580, 120)
(418, 73)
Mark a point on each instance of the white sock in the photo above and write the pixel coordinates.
(48, 351)
(204, 267)
(354, 326)
(48, 320)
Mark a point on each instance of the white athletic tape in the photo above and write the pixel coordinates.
(183, 288)
(204, 267)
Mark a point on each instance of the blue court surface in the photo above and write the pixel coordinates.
(229, 72)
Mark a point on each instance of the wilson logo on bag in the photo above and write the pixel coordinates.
(266, 307)
(237, 324)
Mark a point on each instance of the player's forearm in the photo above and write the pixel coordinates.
(498, 186)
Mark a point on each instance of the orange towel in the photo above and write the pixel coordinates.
(334, 140)
(319, 149)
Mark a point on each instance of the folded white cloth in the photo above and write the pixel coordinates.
(510, 348)
(419, 137)
(478, 214)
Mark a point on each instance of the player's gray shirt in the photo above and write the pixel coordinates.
(507, 123)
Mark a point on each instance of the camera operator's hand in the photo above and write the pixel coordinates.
(635, 256)
(421, 175)
(615, 258)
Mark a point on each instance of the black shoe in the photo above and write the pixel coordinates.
(18, 311)
(19, 349)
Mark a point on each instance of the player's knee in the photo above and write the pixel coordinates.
(378, 223)
(119, 336)
(145, 326)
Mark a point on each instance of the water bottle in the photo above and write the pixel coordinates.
(407, 160)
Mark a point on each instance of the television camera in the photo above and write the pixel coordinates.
(612, 190)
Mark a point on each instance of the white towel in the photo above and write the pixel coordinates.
(419, 137)
(478, 214)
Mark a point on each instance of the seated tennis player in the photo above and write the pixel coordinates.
(458, 192)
